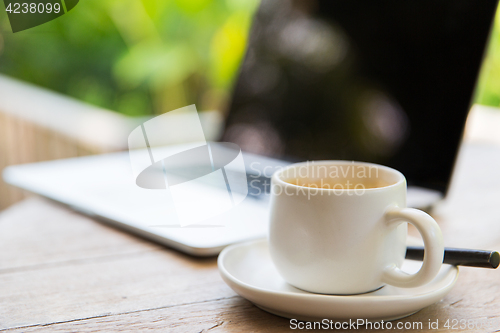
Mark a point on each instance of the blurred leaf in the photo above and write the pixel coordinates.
(134, 103)
(228, 48)
(192, 6)
(156, 64)
(488, 88)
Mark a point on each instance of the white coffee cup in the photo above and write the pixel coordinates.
(350, 236)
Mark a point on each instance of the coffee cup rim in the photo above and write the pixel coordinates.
(277, 180)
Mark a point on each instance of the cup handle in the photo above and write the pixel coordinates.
(433, 244)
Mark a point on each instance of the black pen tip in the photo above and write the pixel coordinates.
(494, 259)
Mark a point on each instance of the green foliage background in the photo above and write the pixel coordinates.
(143, 57)
(488, 89)
(134, 56)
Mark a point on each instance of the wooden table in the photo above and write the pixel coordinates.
(61, 271)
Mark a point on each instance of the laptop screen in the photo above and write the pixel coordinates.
(387, 81)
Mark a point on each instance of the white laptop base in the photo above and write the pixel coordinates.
(102, 186)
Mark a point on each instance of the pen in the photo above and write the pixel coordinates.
(460, 257)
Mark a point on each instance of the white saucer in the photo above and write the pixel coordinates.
(247, 268)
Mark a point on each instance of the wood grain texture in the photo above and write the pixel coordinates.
(107, 286)
(234, 314)
(39, 233)
(60, 271)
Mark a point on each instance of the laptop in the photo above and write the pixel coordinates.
(389, 82)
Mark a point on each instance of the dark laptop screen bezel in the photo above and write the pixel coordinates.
(436, 158)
